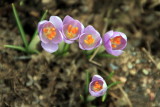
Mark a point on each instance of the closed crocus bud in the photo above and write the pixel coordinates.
(90, 39)
(72, 29)
(50, 33)
(114, 42)
(97, 86)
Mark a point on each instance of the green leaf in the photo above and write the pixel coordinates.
(114, 83)
(15, 47)
(110, 76)
(61, 48)
(35, 40)
(66, 47)
(87, 82)
(23, 36)
(104, 97)
(33, 51)
(101, 50)
(106, 55)
(90, 98)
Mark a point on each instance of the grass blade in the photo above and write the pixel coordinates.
(87, 82)
(90, 98)
(15, 47)
(42, 18)
(23, 36)
(66, 47)
(114, 83)
(35, 39)
(104, 97)
(106, 55)
(110, 75)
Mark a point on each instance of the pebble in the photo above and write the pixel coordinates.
(123, 79)
(158, 66)
(130, 66)
(133, 72)
(146, 72)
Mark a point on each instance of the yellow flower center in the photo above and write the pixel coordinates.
(72, 31)
(89, 40)
(49, 32)
(115, 41)
(97, 86)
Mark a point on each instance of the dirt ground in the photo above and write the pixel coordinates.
(45, 80)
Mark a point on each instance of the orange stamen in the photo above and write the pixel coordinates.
(115, 41)
(114, 46)
(69, 28)
(52, 29)
(72, 31)
(45, 30)
(49, 32)
(97, 86)
(70, 35)
(90, 40)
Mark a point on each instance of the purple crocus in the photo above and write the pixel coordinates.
(72, 29)
(115, 42)
(97, 86)
(90, 39)
(50, 33)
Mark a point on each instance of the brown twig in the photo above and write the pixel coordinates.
(96, 51)
(94, 54)
(149, 56)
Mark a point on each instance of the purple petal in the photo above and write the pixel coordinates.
(89, 30)
(96, 77)
(123, 35)
(42, 37)
(111, 51)
(67, 19)
(58, 38)
(107, 36)
(102, 82)
(57, 22)
(49, 47)
(68, 41)
(40, 24)
(99, 93)
(74, 23)
(118, 50)
(84, 46)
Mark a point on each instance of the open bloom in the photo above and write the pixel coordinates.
(97, 86)
(90, 39)
(115, 42)
(72, 29)
(50, 33)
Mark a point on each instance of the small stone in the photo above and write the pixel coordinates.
(158, 65)
(41, 97)
(146, 72)
(123, 79)
(152, 96)
(138, 61)
(133, 72)
(130, 66)
(114, 67)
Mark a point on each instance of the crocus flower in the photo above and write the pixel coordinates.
(90, 38)
(115, 42)
(72, 29)
(97, 86)
(50, 33)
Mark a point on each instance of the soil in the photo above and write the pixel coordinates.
(45, 80)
